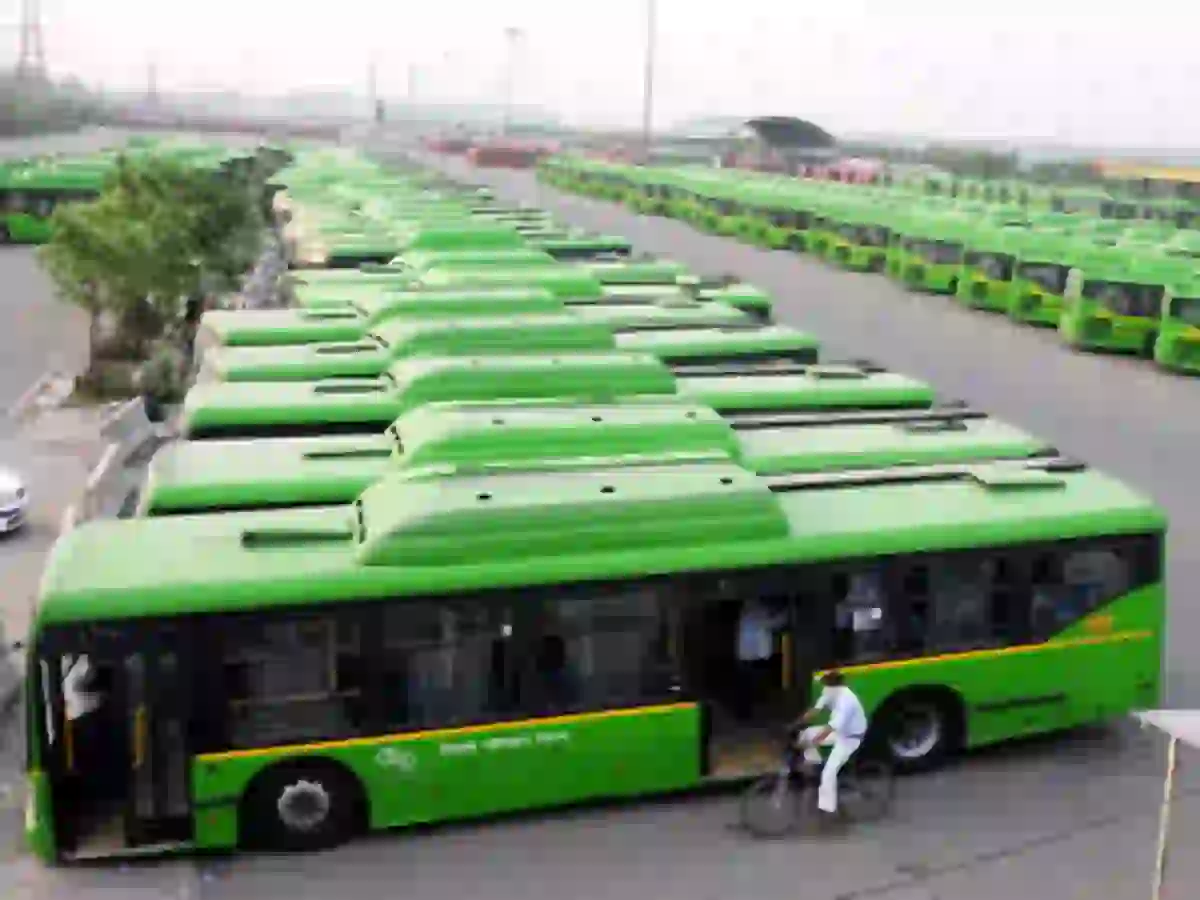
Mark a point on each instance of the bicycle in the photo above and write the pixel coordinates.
(778, 804)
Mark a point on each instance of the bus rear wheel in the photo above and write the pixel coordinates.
(919, 729)
(302, 805)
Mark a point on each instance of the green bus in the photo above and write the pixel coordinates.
(688, 334)
(988, 267)
(453, 648)
(565, 282)
(1115, 302)
(926, 251)
(352, 322)
(29, 195)
(1044, 260)
(861, 243)
(211, 476)
(369, 405)
(1178, 346)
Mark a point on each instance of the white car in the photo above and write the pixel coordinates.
(14, 501)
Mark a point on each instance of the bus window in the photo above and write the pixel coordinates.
(41, 205)
(1049, 277)
(615, 645)
(860, 615)
(445, 664)
(965, 601)
(1186, 309)
(82, 688)
(292, 680)
(1067, 585)
(1126, 299)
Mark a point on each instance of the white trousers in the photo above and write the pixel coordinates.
(841, 751)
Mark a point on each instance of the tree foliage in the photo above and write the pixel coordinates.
(161, 233)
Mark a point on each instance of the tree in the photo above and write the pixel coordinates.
(160, 234)
(93, 258)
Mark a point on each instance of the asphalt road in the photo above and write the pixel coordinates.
(37, 332)
(1069, 817)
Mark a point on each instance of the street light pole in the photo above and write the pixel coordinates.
(648, 78)
(512, 34)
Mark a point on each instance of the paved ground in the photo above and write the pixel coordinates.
(36, 333)
(1070, 818)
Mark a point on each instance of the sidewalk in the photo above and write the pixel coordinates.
(54, 453)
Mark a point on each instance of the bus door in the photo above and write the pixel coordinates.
(158, 804)
(117, 743)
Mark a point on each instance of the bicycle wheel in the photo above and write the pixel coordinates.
(868, 793)
(771, 806)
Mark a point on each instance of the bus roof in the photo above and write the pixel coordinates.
(211, 475)
(583, 376)
(416, 537)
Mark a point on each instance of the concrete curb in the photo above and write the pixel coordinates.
(11, 679)
(29, 396)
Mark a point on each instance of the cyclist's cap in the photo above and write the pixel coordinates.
(833, 679)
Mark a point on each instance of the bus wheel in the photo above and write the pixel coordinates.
(918, 729)
(302, 805)
(5, 237)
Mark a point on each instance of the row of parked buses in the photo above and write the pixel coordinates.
(1110, 274)
(470, 522)
(31, 189)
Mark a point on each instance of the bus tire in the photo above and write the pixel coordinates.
(917, 729)
(5, 236)
(302, 805)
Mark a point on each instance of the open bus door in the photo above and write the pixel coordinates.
(116, 745)
(749, 702)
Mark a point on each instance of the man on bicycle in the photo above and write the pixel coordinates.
(844, 734)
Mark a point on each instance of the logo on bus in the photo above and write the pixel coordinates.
(395, 758)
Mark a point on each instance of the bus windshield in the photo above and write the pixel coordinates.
(1126, 299)
(1186, 309)
(938, 252)
(996, 266)
(1050, 277)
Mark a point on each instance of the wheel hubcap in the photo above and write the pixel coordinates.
(917, 733)
(304, 805)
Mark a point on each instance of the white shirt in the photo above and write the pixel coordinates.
(847, 717)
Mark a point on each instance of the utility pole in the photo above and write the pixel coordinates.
(152, 83)
(512, 35)
(648, 78)
(31, 55)
(376, 104)
(412, 84)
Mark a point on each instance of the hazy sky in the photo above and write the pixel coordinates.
(1056, 69)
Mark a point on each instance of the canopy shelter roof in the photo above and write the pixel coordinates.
(790, 133)
(1181, 724)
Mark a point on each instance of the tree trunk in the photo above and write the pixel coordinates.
(93, 340)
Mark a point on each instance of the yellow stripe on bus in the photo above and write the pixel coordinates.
(995, 651)
(444, 732)
(575, 718)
